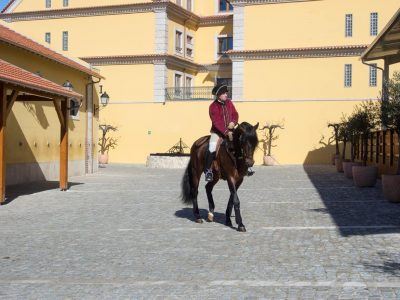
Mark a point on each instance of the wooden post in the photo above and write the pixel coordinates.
(3, 119)
(64, 146)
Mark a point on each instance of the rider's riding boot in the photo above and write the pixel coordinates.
(207, 168)
(250, 171)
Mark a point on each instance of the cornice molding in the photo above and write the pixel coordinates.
(261, 2)
(296, 53)
(173, 11)
(169, 60)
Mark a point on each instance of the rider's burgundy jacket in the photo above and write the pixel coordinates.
(221, 114)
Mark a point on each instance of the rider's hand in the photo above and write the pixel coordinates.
(230, 136)
(231, 125)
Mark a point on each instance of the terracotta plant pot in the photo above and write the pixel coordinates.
(339, 164)
(391, 187)
(270, 161)
(103, 159)
(365, 176)
(348, 168)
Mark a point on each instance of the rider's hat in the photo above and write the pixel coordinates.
(219, 89)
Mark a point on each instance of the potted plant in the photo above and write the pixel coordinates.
(366, 119)
(268, 134)
(106, 142)
(336, 159)
(391, 113)
(347, 135)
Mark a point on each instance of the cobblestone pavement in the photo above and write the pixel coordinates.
(123, 233)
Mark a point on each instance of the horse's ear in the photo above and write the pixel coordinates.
(256, 126)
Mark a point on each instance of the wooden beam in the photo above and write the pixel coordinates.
(64, 147)
(59, 112)
(11, 101)
(3, 119)
(31, 98)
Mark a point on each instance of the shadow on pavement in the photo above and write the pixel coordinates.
(15, 191)
(355, 211)
(187, 213)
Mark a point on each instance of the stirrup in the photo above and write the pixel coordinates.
(250, 172)
(209, 176)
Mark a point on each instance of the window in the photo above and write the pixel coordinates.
(65, 41)
(188, 87)
(189, 46)
(374, 24)
(347, 75)
(179, 2)
(349, 25)
(225, 6)
(48, 3)
(178, 85)
(74, 106)
(65, 3)
(189, 5)
(47, 37)
(178, 41)
(372, 75)
(224, 44)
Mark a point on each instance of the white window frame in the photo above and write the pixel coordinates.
(190, 94)
(182, 52)
(348, 26)
(181, 83)
(373, 75)
(348, 75)
(65, 3)
(47, 37)
(72, 117)
(373, 27)
(217, 37)
(192, 5)
(189, 46)
(219, 12)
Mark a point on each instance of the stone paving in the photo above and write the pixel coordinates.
(123, 234)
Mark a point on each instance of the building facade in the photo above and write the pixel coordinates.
(32, 143)
(290, 61)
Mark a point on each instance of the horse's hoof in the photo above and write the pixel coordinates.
(199, 221)
(241, 229)
(210, 217)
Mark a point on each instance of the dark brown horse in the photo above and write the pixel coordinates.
(231, 164)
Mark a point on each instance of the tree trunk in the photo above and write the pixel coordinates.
(344, 149)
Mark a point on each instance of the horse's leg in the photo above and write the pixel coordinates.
(195, 185)
(236, 204)
(209, 187)
(229, 207)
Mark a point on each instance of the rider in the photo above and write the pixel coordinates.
(224, 117)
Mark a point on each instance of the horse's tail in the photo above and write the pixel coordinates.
(188, 193)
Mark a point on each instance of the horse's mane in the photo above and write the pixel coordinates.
(245, 132)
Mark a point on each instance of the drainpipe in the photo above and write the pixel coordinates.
(385, 78)
(89, 162)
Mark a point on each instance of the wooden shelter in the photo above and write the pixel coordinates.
(17, 84)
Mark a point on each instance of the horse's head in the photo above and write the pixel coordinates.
(246, 141)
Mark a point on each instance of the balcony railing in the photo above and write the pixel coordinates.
(191, 93)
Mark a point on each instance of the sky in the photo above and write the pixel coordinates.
(3, 3)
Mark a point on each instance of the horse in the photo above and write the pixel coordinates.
(230, 165)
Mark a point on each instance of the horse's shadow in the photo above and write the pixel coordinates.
(187, 213)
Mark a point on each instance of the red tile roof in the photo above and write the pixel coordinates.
(15, 75)
(16, 39)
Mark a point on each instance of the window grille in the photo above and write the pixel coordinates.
(349, 25)
(47, 37)
(347, 75)
(373, 75)
(374, 24)
(65, 41)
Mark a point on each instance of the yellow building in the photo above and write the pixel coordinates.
(33, 76)
(290, 61)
